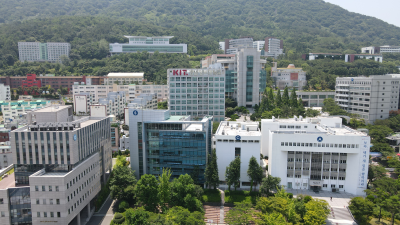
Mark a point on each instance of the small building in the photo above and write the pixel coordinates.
(290, 77)
(124, 78)
(31, 81)
(43, 52)
(394, 141)
(148, 44)
(353, 57)
(5, 93)
(82, 102)
(314, 98)
(124, 143)
(6, 155)
(115, 103)
(380, 49)
(234, 139)
(14, 110)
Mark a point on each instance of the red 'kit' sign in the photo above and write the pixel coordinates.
(179, 72)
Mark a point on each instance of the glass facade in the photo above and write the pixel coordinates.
(230, 81)
(152, 48)
(179, 150)
(263, 80)
(20, 205)
(140, 147)
(249, 79)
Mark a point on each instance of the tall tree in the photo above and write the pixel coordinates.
(285, 97)
(361, 208)
(211, 173)
(293, 98)
(278, 100)
(123, 178)
(317, 212)
(232, 173)
(147, 192)
(269, 183)
(254, 172)
(271, 96)
(164, 189)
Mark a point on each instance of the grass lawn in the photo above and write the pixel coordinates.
(240, 196)
(211, 195)
(374, 221)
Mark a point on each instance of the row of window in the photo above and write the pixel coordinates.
(323, 177)
(196, 78)
(342, 161)
(302, 144)
(291, 127)
(81, 175)
(51, 202)
(197, 84)
(50, 188)
(244, 141)
(45, 214)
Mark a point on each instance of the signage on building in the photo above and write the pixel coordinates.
(180, 72)
(135, 112)
(320, 139)
(364, 160)
(316, 182)
(237, 137)
(74, 137)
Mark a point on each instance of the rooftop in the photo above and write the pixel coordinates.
(176, 118)
(148, 37)
(53, 108)
(230, 128)
(8, 182)
(141, 74)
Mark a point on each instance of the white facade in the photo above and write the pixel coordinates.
(235, 45)
(352, 57)
(259, 45)
(197, 92)
(131, 91)
(124, 143)
(314, 98)
(274, 48)
(288, 77)
(14, 110)
(316, 153)
(124, 78)
(5, 93)
(97, 110)
(381, 49)
(82, 101)
(35, 51)
(115, 103)
(6, 158)
(370, 97)
(237, 140)
(148, 44)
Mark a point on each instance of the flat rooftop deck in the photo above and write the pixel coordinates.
(8, 182)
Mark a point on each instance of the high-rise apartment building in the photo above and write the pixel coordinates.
(115, 103)
(290, 77)
(370, 97)
(197, 92)
(60, 164)
(273, 47)
(245, 75)
(159, 140)
(36, 52)
(148, 44)
(316, 154)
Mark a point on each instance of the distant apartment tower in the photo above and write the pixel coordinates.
(5, 93)
(115, 103)
(370, 97)
(273, 47)
(290, 77)
(148, 44)
(232, 46)
(46, 52)
(245, 75)
(381, 49)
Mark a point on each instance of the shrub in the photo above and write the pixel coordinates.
(211, 195)
(123, 206)
(307, 198)
(290, 195)
(118, 218)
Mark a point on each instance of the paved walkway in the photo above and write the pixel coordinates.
(105, 215)
(339, 213)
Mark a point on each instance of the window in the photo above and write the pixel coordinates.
(44, 201)
(51, 201)
(50, 188)
(43, 188)
(45, 214)
(37, 202)
(36, 188)
(1, 201)
(58, 214)
(340, 186)
(57, 188)
(51, 214)
(333, 186)
(3, 214)
(325, 185)
(237, 152)
(57, 201)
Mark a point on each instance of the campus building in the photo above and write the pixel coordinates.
(43, 52)
(273, 47)
(197, 93)
(353, 57)
(270, 47)
(316, 154)
(31, 81)
(370, 97)
(132, 91)
(245, 75)
(124, 78)
(234, 139)
(290, 77)
(381, 49)
(115, 103)
(159, 140)
(59, 177)
(82, 102)
(314, 98)
(5, 155)
(148, 44)
(5, 93)
(14, 110)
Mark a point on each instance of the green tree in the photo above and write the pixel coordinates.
(317, 212)
(332, 108)
(180, 215)
(215, 127)
(195, 174)
(273, 218)
(361, 209)
(278, 99)
(271, 96)
(121, 161)
(186, 194)
(376, 172)
(269, 183)
(147, 192)
(254, 172)
(293, 99)
(379, 133)
(311, 112)
(285, 97)
(122, 182)
(211, 172)
(383, 148)
(162, 105)
(164, 189)
(241, 214)
(232, 173)
(138, 216)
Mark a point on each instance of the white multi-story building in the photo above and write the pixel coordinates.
(115, 103)
(148, 44)
(197, 92)
(60, 175)
(314, 98)
(234, 139)
(124, 78)
(381, 49)
(273, 47)
(131, 91)
(370, 97)
(143, 101)
(316, 154)
(35, 51)
(245, 75)
(82, 102)
(290, 77)
(14, 110)
(259, 45)
(5, 155)
(124, 143)
(5, 93)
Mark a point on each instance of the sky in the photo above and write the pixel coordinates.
(386, 10)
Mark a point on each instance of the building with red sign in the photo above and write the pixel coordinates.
(290, 77)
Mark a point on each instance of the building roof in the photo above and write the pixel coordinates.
(230, 128)
(53, 108)
(176, 118)
(148, 37)
(126, 75)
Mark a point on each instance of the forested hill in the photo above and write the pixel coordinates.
(305, 25)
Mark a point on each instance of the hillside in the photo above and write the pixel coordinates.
(305, 25)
